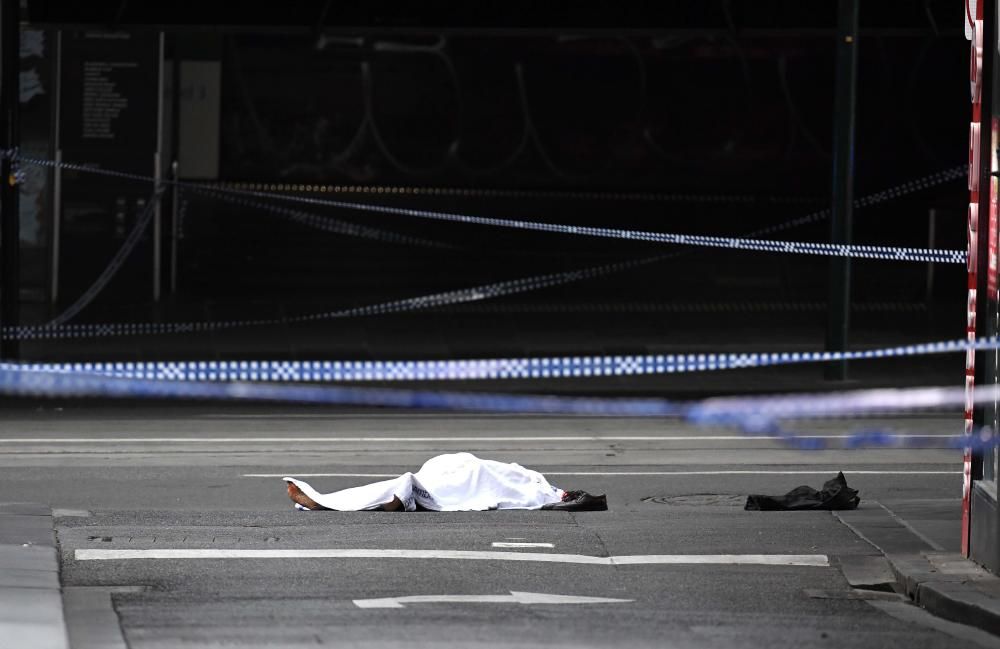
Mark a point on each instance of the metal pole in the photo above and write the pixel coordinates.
(158, 175)
(843, 182)
(10, 235)
(56, 175)
(984, 303)
(175, 153)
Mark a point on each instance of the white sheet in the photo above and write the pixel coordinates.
(449, 483)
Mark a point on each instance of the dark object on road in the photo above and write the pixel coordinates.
(834, 495)
(579, 501)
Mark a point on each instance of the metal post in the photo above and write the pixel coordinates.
(56, 175)
(175, 198)
(10, 235)
(175, 148)
(843, 182)
(984, 303)
(158, 175)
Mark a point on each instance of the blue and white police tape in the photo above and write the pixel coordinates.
(732, 243)
(924, 182)
(761, 415)
(319, 222)
(19, 381)
(756, 414)
(958, 172)
(323, 223)
(555, 194)
(869, 436)
(767, 416)
(917, 184)
(462, 296)
(452, 297)
(855, 251)
(75, 166)
(755, 306)
(486, 369)
(471, 298)
(114, 265)
(430, 301)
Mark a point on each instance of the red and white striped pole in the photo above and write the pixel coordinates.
(974, 19)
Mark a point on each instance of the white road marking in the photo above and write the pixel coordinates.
(406, 415)
(622, 473)
(322, 475)
(71, 513)
(515, 597)
(814, 560)
(399, 440)
(520, 544)
(480, 415)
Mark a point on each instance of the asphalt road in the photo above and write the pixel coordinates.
(198, 482)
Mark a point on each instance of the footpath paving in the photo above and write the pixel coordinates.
(924, 562)
(31, 606)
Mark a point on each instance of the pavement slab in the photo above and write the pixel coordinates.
(945, 583)
(31, 613)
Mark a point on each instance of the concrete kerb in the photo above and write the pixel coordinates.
(950, 586)
(31, 603)
(946, 584)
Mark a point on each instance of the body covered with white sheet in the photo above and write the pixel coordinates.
(448, 483)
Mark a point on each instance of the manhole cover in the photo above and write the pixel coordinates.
(699, 500)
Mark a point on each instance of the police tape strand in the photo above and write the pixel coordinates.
(891, 253)
(436, 300)
(324, 223)
(753, 416)
(319, 222)
(430, 301)
(114, 265)
(854, 251)
(958, 172)
(486, 369)
(873, 437)
(534, 194)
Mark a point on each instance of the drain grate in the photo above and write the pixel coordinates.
(699, 500)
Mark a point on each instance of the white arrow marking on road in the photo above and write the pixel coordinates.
(515, 597)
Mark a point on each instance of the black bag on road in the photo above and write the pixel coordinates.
(834, 495)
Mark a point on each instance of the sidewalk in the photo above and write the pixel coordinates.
(924, 556)
(31, 606)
